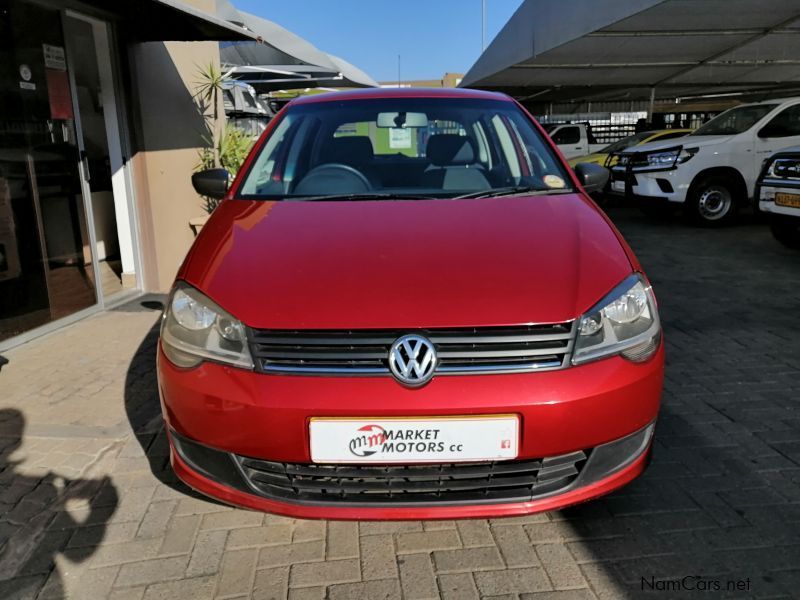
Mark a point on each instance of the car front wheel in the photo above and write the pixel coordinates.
(786, 231)
(712, 202)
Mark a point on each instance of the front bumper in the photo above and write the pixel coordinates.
(766, 194)
(232, 413)
(666, 185)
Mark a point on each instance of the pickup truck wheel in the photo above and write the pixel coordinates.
(712, 202)
(787, 232)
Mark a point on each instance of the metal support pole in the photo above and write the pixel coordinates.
(483, 25)
(652, 104)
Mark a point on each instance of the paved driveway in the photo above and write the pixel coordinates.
(88, 510)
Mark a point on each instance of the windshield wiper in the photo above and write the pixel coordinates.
(364, 196)
(512, 191)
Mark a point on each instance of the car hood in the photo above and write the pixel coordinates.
(596, 157)
(407, 263)
(689, 141)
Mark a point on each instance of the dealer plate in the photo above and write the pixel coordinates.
(414, 440)
(790, 200)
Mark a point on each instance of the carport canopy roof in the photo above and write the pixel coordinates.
(285, 60)
(172, 20)
(584, 50)
(250, 41)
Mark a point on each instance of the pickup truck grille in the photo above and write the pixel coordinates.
(784, 172)
(460, 351)
(507, 481)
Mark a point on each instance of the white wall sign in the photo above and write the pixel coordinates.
(54, 57)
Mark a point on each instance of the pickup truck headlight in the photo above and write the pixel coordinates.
(195, 329)
(783, 168)
(625, 322)
(662, 159)
(666, 159)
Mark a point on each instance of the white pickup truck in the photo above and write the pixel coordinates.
(712, 171)
(778, 193)
(573, 139)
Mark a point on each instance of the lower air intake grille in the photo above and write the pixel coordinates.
(506, 481)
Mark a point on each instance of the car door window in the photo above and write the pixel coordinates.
(567, 135)
(785, 124)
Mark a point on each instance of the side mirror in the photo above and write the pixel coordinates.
(211, 182)
(593, 177)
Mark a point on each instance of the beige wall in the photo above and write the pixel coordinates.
(168, 136)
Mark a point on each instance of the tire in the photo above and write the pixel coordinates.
(787, 232)
(712, 201)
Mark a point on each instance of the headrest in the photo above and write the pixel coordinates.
(350, 150)
(450, 149)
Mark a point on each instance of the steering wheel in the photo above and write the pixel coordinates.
(333, 178)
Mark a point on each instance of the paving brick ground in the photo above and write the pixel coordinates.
(90, 510)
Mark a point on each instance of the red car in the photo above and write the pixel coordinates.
(407, 307)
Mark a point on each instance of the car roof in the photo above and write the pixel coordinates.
(381, 93)
(771, 101)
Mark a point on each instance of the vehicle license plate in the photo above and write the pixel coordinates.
(790, 200)
(414, 440)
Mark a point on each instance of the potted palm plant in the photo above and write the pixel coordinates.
(224, 145)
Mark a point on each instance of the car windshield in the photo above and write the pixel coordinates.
(735, 120)
(626, 142)
(402, 147)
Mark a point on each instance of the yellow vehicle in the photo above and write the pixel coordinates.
(603, 157)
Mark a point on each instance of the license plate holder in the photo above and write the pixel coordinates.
(410, 440)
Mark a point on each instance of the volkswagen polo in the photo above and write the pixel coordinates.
(406, 306)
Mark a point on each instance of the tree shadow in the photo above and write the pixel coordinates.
(142, 404)
(36, 522)
(720, 503)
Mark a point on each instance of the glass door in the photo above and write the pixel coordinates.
(99, 144)
(46, 259)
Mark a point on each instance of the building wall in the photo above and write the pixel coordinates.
(448, 80)
(167, 137)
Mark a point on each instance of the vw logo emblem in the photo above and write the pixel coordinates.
(412, 360)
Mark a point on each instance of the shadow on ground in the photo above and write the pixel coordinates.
(36, 522)
(718, 511)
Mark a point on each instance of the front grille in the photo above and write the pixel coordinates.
(506, 481)
(783, 172)
(365, 352)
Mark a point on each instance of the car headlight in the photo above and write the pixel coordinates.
(195, 329)
(666, 159)
(783, 168)
(662, 159)
(625, 322)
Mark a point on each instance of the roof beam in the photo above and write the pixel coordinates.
(687, 33)
(709, 59)
(643, 65)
